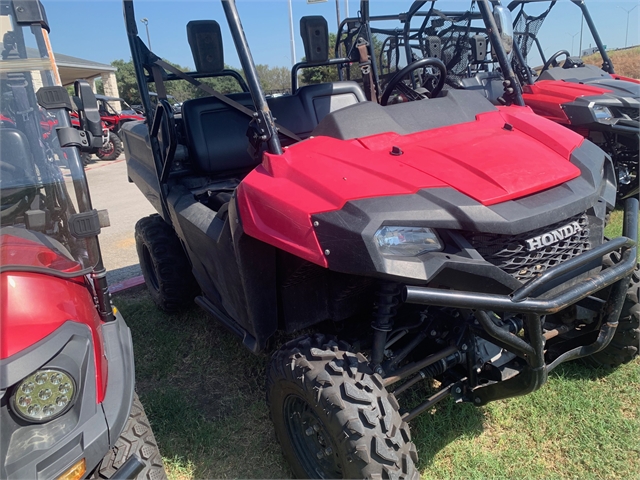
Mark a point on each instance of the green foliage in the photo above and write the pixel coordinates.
(180, 90)
(126, 78)
(323, 74)
(274, 79)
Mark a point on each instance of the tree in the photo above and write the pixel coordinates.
(126, 78)
(274, 79)
(322, 74)
(180, 90)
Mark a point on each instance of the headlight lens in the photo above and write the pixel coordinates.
(602, 113)
(406, 241)
(44, 395)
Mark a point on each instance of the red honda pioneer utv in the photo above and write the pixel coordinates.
(67, 403)
(444, 239)
(594, 102)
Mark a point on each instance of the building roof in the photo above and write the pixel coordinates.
(71, 68)
(63, 60)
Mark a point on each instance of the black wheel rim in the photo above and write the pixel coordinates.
(150, 269)
(310, 439)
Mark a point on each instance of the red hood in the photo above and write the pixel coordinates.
(481, 159)
(563, 91)
(545, 97)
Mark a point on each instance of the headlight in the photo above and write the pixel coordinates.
(406, 241)
(44, 395)
(601, 113)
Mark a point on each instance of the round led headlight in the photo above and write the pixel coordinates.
(44, 395)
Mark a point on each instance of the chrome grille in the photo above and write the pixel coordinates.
(510, 253)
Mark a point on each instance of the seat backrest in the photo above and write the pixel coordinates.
(324, 98)
(217, 134)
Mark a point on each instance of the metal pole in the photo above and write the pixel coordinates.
(498, 48)
(338, 13)
(346, 8)
(293, 42)
(626, 36)
(581, 30)
(145, 20)
(249, 68)
(573, 37)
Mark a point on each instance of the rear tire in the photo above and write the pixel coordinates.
(332, 415)
(136, 439)
(164, 264)
(625, 344)
(112, 149)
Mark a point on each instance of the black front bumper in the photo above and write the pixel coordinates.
(524, 300)
(89, 429)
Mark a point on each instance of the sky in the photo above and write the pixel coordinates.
(94, 29)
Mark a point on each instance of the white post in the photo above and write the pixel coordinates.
(293, 42)
(346, 8)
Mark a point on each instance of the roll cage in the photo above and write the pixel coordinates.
(409, 42)
(526, 30)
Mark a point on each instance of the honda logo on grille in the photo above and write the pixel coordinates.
(554, 236)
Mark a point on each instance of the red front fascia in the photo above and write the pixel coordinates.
(34, 305)
(546, 97)
(481, 159)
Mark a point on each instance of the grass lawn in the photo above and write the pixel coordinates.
(205, 396)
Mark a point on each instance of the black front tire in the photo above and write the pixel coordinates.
(625, 344)
(332, 415)
(136, 439)
(164, 264)
(113, 148)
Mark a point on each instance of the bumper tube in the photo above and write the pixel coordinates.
(535, 375)
(129, 469)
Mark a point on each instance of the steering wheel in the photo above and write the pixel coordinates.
(551, 62)
(396, 80)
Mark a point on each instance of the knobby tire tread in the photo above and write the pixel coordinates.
(374, 442)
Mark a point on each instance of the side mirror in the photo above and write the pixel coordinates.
(504, 21)
(88, 109)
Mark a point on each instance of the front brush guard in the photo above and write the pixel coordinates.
(524, 301)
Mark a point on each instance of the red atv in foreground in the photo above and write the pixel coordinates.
(68, 408)
(443, 239)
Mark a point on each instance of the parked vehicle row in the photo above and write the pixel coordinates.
(421, 230)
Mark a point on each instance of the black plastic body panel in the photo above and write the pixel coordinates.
(235, 272)
(365, 119)
(140, 167)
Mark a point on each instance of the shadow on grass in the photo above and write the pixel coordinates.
(446, 422)
(203, 393)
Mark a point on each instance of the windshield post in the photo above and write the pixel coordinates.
(498, 48)
(607, 66)
(233, 19)
(83, 198)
